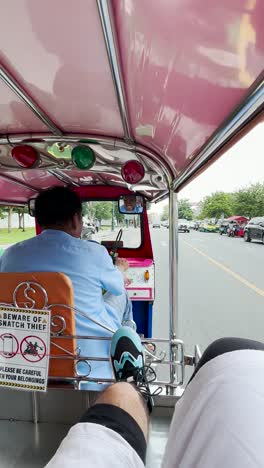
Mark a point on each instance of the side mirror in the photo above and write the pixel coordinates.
(130, 204)
(31, 207)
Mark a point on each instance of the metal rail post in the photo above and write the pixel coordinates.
(173, 279)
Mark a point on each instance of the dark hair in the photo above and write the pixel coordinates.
(57, 206)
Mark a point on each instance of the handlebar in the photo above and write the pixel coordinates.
(115, 247)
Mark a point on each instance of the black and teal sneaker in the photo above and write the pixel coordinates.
(127, 359)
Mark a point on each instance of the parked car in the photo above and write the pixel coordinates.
(183, 227)
(208, 227)
(212, 228)
(254, 230)
(156, 225)
(166, 224)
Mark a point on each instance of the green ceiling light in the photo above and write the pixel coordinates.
(83, 157)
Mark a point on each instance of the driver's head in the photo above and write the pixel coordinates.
(130, 202)
(59, 208)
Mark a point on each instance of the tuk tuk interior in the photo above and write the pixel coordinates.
(112, 109)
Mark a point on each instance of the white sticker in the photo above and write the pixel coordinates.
(24, 348)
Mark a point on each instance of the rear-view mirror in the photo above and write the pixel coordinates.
(130, 204)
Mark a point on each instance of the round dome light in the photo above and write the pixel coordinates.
(25, 156)
(133, 172)
(83, 157)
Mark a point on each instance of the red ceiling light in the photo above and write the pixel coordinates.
(133, 172)
(26, 156)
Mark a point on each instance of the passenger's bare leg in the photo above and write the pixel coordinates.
(125, 396)
(113, 432)
(124, 406)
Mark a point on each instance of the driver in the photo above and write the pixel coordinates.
(59, 248)
(131, 205)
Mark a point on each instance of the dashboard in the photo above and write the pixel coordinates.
(141, 276)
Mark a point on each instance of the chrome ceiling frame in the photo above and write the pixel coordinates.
(111, 43)
(63, 177)
(18, 182)
(23, 96)
(162, 196)
(242, 115)
(118, 143)
(115, 143)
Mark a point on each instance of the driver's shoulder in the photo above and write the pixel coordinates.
(90, 246)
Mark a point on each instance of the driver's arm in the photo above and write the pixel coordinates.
(112, 279)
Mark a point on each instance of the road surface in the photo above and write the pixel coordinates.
(221, 287)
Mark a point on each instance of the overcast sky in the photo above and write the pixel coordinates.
(242, 165)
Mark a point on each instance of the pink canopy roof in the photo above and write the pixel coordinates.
(159, 77)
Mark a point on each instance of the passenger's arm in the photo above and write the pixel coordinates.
(111, 278)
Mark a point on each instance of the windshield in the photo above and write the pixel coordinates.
(102, 221)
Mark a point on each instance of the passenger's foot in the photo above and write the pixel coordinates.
(127, 359)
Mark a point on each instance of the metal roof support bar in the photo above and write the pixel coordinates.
(16, 88)
(173, 280)
(250, 107)
(113, 57)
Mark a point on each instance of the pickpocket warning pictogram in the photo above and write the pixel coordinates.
(8, 345)
(33, 348)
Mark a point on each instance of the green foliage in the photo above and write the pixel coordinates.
(118, 216)
(185, 209)
(249, 201)
(216, 205)
(3, 212)
(103, 210)
(88, 209)
(97, 210)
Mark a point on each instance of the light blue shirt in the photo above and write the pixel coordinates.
(90, 269)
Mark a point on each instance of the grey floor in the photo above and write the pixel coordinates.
(26, 445)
